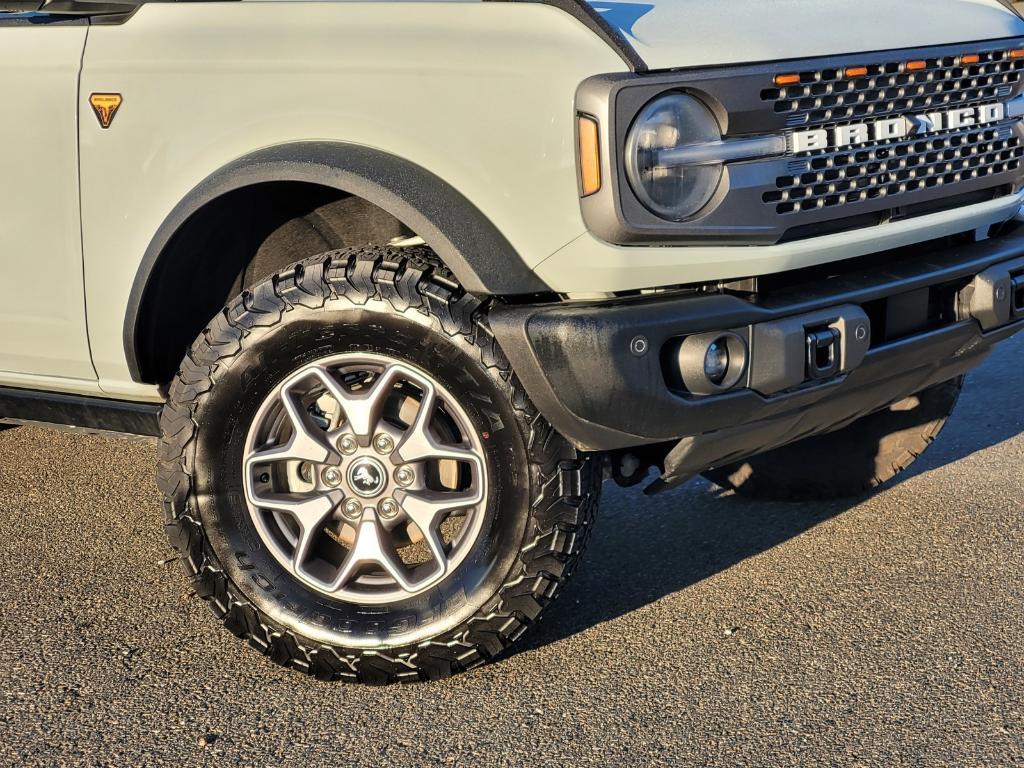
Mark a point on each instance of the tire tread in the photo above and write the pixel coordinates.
(562, 513)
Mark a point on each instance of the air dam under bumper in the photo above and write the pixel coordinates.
(602, 373)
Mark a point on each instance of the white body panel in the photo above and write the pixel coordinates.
(590, 266)
(42, 308)
(697, 33)
(479, 94)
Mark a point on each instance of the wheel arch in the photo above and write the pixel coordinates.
(479, 255)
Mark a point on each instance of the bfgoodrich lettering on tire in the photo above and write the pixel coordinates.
(356, 481)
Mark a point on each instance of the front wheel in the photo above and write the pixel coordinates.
(355, 479)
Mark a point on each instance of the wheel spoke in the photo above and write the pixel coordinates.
(370, 549)
(419, 445)
(363, 410)
(308, 512)
(307, 442)
(422, 447)
(427, 509)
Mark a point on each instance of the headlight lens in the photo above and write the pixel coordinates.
(668, 189)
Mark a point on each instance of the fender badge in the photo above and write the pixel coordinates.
(105, 105)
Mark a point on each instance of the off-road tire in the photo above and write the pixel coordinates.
(848, 462)
(560, 486)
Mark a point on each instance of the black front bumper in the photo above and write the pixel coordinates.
(586, 371)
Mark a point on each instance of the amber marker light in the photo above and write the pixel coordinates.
(970, 58)
(916, 66)
(787, 79)
(856, 71)
(1017, 54)
(590, 156)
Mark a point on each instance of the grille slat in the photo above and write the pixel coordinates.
(827, 96)
(888, 170)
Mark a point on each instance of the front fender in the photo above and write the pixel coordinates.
(468, 243)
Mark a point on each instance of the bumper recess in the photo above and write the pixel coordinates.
(807, 358)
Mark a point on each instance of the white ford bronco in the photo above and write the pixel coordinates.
(397, 286)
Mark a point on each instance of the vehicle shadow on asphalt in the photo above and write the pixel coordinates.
(645, 548)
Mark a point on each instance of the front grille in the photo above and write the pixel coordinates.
(859, 175)
(828, 96)
(963, 145)
(851, 180)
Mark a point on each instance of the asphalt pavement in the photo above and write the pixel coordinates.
(702, 629)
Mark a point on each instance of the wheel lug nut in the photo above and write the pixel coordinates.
(332, 476)
(404, 476)
(383, 443)
(347, 444)
(353, 509)
(388, 508)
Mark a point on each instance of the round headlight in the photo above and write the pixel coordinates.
(670, 188)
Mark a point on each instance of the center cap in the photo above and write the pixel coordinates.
(366, 477)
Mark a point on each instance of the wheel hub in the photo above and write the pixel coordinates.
(367, 477)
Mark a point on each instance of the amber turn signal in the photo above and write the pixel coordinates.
(787, 79)
(590, 156)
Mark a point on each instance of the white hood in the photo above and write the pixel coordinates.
(669, 34)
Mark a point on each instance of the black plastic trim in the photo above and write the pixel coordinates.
(89, 8)
(36, 18)
(577, 363)
(469, 244)
(91, 413)
(1014, 6)
(887, 376)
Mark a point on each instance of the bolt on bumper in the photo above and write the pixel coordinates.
(930, 314)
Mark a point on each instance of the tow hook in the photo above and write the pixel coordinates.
(996, 296)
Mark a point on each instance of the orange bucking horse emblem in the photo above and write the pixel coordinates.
(105, 105)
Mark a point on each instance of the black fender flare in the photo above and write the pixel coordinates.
(482, 259)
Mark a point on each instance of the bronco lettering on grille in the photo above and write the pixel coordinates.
(901, 127)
